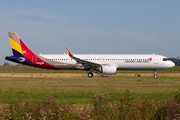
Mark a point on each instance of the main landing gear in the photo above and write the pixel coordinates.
(155, 74)
(90, 74)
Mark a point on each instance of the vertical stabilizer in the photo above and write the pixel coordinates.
(15, 44)
(22, 54)
(19, 48)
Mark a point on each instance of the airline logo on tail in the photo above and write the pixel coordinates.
(19, 48)
(22, 54)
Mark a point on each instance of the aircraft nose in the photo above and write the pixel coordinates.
(171, 64)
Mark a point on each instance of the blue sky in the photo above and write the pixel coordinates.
(119, 26)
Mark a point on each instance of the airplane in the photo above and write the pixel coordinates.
(102, 64)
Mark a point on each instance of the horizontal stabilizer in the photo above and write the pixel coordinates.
(12, 58)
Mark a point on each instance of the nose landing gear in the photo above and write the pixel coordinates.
(155, 74)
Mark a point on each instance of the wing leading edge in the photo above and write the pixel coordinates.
(84, 63)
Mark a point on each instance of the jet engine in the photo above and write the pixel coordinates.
(108, 69)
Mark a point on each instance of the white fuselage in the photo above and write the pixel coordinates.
(103, 64)
(121, 61)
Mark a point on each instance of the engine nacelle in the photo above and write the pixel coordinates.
(108, 69)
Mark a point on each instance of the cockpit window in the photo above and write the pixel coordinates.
(165, 59)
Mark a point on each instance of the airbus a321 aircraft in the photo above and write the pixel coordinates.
(103, 64)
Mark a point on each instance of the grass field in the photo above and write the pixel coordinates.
(131, 97)
(75, 87)
(80, 89)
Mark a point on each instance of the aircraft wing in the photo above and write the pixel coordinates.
(86, 64)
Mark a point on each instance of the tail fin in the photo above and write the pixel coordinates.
(22, 54)
(19, 49)
(15, 44)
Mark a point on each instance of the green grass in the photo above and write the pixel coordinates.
(80, 89)
(110, 97)
(101, 108)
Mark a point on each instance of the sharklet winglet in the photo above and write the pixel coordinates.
(69, 52)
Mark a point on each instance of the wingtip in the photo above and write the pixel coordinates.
(68, 51)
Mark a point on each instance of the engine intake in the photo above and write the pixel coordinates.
(108, 69)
